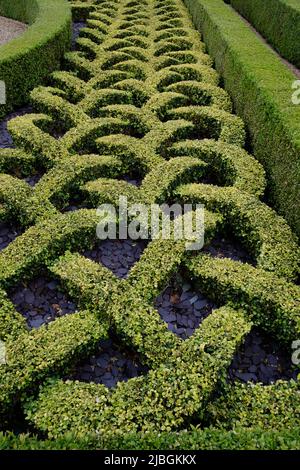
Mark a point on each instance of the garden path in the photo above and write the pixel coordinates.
(10, 29)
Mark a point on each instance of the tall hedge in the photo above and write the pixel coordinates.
(261, 88)
(27, 60)
(278, 21)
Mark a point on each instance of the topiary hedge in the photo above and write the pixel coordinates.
(138, 96)
(261, 88)
(267, 407)
(27, 60)
(82, 8)
(278, 21)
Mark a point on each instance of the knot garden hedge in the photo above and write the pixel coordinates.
(27, 60)
(140, 94)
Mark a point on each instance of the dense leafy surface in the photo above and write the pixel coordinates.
(140, 95)
(26, 61)
(261, 88)
(278, 21)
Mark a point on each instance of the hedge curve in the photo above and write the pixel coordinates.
(26, 61)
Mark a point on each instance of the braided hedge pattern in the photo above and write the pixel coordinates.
(139, 95)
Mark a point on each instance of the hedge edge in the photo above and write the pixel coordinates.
(27, 60)
(261, 88)
(281, 29)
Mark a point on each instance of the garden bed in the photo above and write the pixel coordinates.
(142, 338)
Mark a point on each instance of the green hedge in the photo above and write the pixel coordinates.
(274, 250)
(82, 9)
(278, 21)
(162, 400)
(261, 88)
(275, 406)
(27, 60)
(270, 302)
(207, 439)
(144, 128)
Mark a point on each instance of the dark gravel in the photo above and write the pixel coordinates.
(229, 247)
(7, 234)
(41, 301)
(132, 179)
(76, 27)
(74, 206)
(34, 179)
(117, 255)
(182, 308)
(110, 364)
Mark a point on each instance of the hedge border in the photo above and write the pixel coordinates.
(281, 28)
(261, 88)
(27, 60)
(206, 439)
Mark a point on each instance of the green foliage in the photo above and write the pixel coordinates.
(161, 400)
(11, 322)
(281, 28)
(26, 61)
(41, 243)
(230, 164)
(139, 97)
(275, 250)
(267, 407)
(207, 439)
(32, 356)
(261, 88)
(270, 302)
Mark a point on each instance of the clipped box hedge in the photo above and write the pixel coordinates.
(275, 406)
(82, 9)
(261, 88)
(197, 439)
(277, 20)
(27, 60)
(143, 100)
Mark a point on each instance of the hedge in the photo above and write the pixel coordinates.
(275, 406)
(278, 21)
(270, 302)
(27, 60)
(276, 251)
(162, 400)
(197, 439)
(100, 296)
(261, 89)
(81, 9)
(138, 97)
